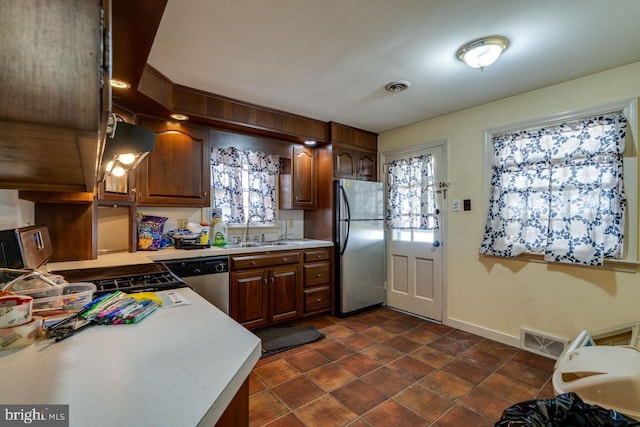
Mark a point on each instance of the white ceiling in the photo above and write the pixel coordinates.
(330, 59)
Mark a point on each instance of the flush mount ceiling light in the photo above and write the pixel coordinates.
(482, 52)
(119, 84)
(397, 86)
(178, 116)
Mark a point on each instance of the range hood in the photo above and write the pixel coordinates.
(125, 147)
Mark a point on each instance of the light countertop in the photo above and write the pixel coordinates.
(142, 257)
(181, 366)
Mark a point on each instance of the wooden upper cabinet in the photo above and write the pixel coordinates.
(367, 166)
(344, 162)
(178, 170)
(55, 94)
(298, 190)
(354, 153)
(304, 177)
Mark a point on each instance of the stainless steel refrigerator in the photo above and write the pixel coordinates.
(360, 271)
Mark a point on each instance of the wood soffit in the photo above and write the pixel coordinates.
(155, 95)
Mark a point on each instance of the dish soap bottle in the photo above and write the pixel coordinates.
(220, 234)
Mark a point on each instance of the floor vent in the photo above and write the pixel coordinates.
(542, 344)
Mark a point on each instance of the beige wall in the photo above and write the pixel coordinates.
(496, 297)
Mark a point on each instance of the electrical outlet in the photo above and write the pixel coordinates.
(455, 205)
(466, 204)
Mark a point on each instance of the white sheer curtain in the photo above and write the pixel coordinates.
(244, 184)
(411, 202)
(558, 191)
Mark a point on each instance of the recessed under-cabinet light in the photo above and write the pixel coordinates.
(178, 116)
(119, 84)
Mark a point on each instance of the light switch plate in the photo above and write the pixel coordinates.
(455, 205)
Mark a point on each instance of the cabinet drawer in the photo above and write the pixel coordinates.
(256, 261)
(316, 255)
(317, 273)
(317, 299)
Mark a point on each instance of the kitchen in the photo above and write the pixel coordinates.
(582, 298)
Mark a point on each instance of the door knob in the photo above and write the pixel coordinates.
(436, 243)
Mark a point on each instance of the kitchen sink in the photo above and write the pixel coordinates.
(259, 244)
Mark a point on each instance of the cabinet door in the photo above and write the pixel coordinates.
(367, 166)
(285, 293)
(304, 178)
(249, 304)
(178, 171)
(120, 189)
(344, 163)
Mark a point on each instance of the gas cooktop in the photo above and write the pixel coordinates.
(151, 277)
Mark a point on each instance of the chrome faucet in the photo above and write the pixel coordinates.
(246, 238)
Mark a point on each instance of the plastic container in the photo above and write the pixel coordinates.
(15, 310)
(37, 285)
(22, 335)
(74, 297)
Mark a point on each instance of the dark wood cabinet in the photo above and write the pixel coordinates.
(249, 301)
(298, 190)
(284, 292)
(55, 95)
(318, 280)
(178, 171)
(354, 153)
(265, 288)
(344, 161)
(354, 164)
(120, 190)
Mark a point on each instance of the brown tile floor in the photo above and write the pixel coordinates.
(385, 368)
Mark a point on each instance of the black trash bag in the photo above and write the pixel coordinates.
(565, 410)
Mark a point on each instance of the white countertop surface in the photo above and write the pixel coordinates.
(180, 366)
(142, 257)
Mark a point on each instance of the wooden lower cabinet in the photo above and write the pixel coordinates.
(263, 296)
(269, 288)
(318, 280)
(249, 303)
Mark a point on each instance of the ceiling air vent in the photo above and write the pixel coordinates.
(397, 86)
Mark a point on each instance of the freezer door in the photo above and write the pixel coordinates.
(362, 272)
(366, 199)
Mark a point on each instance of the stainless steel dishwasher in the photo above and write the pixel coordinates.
(208, 276)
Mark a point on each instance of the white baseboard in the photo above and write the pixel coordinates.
(483, 332)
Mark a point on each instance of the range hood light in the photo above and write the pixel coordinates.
(127, 158)
(118, 171)
(126, 148)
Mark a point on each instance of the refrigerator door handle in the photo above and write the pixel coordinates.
(347, 220)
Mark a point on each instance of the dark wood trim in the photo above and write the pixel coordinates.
(237, 413)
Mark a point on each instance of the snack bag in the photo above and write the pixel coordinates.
(150, 232)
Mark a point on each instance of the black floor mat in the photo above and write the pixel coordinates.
(277, 339)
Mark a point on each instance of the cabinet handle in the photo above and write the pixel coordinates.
(204, 193)
(285, 259)
(319, 299)
(253, 263)
(319, 275)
